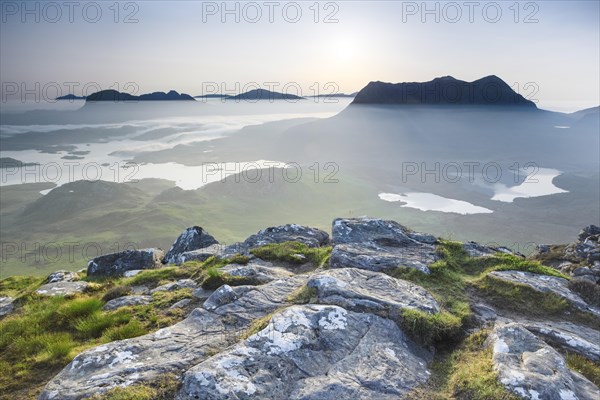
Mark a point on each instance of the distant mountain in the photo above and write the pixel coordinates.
(213, 96)
(8, 162)
(70, 97)
(113, 95)
(593, 111)
(262, 94)
(446, 90)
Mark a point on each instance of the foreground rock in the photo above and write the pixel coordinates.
(6, 305)
(313, 352)
(544, 284)
(173, 349)
(311, 237)
(116, 264)
(373, 292)
(569, 337)
(191, 239)
(62, 276)
(378, 245)
(62, 288)
(177, 285)
(474, 249)
(531, 369)
(126, 301)
(257, 270)
(200, 254)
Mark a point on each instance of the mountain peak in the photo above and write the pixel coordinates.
(445, 90)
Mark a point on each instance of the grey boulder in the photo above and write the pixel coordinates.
(6, 305)
(313, 352)
(125, 301)
(544, 284)
(257, 270)
(62, 276)
(202, 254)
(531, 369)
(311, 237)
(62, 288)
(367, 291)
(116, 264)
(193, 238)
(177, 285)
(379, 245)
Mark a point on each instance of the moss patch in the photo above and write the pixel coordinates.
(465, 373)
(303, 295)
(585, 367)
(162, 388)
(294, 253)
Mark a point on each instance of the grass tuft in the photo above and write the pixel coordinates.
(294, 253)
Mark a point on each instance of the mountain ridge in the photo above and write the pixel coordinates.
(446, 90)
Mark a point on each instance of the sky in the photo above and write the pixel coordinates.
(547, 50)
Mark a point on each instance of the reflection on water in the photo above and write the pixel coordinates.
(539, 183)
(432, 202)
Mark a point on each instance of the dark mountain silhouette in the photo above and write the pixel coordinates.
(70, 97)
(263, 94)
(446, 90)
(113, 95)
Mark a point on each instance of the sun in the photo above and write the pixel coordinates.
(344, 48)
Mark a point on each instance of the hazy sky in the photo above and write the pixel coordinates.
(186, 45)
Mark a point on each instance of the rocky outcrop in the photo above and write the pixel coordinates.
(191, 239)
(568, 337)
(6, 305)
(126, 301)
(313, 352)
(116, 264)
(372, 292)
(545, 283)
(171, 286)
(62, 276)
(311, 237)
(173, 349)
(379, 245)
(531, 369)
(257, 270)
(62, 288)
(474, 249)
(202, 254)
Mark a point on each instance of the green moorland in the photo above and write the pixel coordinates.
(78, 221)
(44, 334)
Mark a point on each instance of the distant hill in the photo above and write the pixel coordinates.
(8, 162)
(113, 95)
(262, 94)
(446, 90)
(70, 97)
(593, 111)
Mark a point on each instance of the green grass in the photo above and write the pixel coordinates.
(450, 281)
(162, 388)
(427, 329)
(466, 373)
(132, 329)
(294, 253)
(303, 295)
(166, 299)
(585, 367)
(16, 286)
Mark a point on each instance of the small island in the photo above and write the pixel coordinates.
(113, 95)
